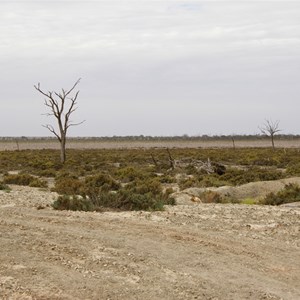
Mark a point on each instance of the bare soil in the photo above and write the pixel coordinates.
(200, 251)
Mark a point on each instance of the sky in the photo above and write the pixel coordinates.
(151, 67)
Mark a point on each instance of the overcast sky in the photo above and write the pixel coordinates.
(152, 67)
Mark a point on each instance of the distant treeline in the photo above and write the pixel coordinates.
(159, 138)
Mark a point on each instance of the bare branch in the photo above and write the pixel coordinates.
(270, 127)
(73, 87)
(75, 124)
(51, 129)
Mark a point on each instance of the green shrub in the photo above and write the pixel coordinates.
(137, 201)
(290, 193)
(212, 180)
(66, 202)
(293, 169)
(4, 187)
(188, 182)
(152, 186)
(68, 186)
(128, 174)
(137, 195)
(237, 177)
(166, 179)
(47, 173)
(211, 197)
(93, 186)
(24, 179)
(36, 182)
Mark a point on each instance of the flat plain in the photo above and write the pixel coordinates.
(195, 251)
(74, 143)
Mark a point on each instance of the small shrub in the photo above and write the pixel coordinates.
(136, 201)
(66, 202)
(47, 173)
(129, 174)
(95, 185)
(36, 182)
(24, 179)
(4, 187)
(188, 182)
(211, 197)
(293, 169)
(152, 186)
(68, 186)
(290, 193)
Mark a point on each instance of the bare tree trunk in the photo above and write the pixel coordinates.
(233, 142)
(17, 142)
(272, 139)
(154, 160)
(171, 160)
(63, 150)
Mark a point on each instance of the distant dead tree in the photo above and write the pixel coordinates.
(270, 128)
(233, 141)
(61, 106)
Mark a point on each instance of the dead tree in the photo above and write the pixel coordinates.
(61, 106)
(154, 160)
(270, 128)
(233, 142)
(171, 160)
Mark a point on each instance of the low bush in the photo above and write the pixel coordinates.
(237, 177)
(24, 179)
(102, 192)
(293, 169)
(137, 201)
(95, 185)
(68, 186)
(290, 193)
(128, 174)
(211, 197)
(47, 173)
(186, 183)
(4, 187)
(66, 202)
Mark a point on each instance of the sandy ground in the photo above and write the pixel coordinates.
(201, 251)
(94, 144)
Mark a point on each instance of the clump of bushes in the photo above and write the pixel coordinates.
(290, 193)
(237, 177)
(128, 174)
(24, 179)
(102, 192)
(293, 169)
(96, 185)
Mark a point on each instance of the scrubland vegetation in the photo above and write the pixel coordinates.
(144, 179)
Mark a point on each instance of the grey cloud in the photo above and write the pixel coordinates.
(152, 67)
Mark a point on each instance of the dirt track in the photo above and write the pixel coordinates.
(187, 252)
